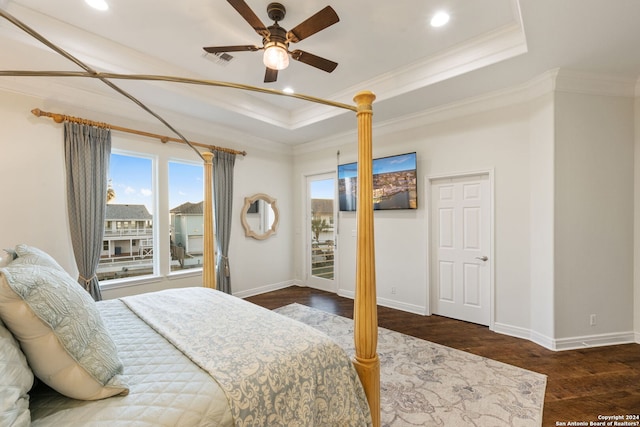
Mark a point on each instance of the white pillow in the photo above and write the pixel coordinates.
(6, 256)
(17, 380)
(60, 330)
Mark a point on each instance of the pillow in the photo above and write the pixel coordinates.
(17, 380)
(31, 255)
(60, 330)
(6, 256)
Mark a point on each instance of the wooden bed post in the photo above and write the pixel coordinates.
(365, 315)
(209, 263)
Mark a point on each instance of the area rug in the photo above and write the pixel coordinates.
(427, 384)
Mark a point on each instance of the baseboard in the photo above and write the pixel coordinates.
(397, 305)
(571, 343)
(594, 341)
(264, 289)
(526, 334)
(560, 344)
(512, 331)
(410, 308)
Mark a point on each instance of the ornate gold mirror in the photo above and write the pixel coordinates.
(260, 216)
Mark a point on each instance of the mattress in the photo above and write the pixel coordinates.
(165, 387)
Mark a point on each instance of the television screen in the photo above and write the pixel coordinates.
(394, 183)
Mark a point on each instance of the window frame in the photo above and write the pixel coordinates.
(160, 186)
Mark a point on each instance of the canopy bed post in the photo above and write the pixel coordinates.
(209, 267)
(365, 314)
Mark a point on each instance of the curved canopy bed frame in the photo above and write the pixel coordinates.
(366, 359)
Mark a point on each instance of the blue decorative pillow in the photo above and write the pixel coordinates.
(17, 380)
(32, 255)
(59, 328)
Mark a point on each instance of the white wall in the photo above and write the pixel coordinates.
(34, 195)
(563, 166)
(594, 148)
(541, 255)
(636, 192)
(496, 140)
(262, 265)
(564, 207)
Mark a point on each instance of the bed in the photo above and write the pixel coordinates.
(178, 357)
(365, 363)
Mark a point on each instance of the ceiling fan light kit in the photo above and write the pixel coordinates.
(276, 40)
(275, 56)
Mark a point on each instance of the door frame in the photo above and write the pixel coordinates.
(431, 252)
(306, 218)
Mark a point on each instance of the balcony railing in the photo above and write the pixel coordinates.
(322, 259)
(128, 232)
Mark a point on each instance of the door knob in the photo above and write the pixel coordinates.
(482, 258)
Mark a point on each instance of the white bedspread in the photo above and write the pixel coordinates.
(274, 372)
(166, 388)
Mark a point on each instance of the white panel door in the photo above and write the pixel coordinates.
(461, 270)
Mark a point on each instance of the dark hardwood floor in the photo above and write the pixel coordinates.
(581, 384)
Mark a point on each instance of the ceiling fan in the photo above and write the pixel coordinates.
(275, 39)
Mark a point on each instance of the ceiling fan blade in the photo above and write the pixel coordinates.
(245, 11)
(321, 20)
(270, 75)
(221, 49)
(314, 61)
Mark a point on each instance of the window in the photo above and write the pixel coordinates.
(186, 213)
(141, 239)
(128, 247)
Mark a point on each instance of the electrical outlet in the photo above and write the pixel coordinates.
(393, 291)
(592, 320)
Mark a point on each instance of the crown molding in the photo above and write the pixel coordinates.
(576, 81)
(555, 80)
(490, 48)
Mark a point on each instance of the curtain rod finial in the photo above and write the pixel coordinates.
(36, 112)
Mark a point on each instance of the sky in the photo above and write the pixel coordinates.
(132, 179)
(323, 189)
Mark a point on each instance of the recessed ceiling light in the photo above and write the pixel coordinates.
(98, 4)
(439, 19)
(288, 90)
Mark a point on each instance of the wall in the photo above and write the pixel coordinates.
(497, 140)
(563, 162)
(541, 255)
(34, 195)
(262, 265)
(593, 215)
(636, 222)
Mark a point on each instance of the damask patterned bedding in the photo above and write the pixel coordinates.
(268, 370)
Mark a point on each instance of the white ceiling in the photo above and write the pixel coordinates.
(386, 47)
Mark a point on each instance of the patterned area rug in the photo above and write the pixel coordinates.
(427, 384)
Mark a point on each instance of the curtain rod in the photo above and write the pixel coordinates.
(59, 118)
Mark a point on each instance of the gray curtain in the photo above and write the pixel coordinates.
(87, 153)
(223, 163)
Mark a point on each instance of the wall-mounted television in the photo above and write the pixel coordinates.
(394, 183)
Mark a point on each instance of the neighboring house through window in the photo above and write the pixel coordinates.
(131, 241)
